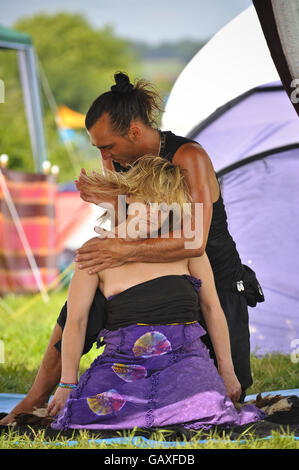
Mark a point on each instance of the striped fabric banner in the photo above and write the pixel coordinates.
(33, 197)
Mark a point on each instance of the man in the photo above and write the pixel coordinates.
(120, 124)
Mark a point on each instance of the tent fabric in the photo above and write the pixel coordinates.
(33, 196)
(280, 24)
(76, 219)
(261, 119)
(262, 202)
(222, 70)
(72, 216)
(56, 222)
(234, 99)
(254, 145)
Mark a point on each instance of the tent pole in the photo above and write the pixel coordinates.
(31, 93)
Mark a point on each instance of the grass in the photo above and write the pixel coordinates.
(278, 440)
(25, 333)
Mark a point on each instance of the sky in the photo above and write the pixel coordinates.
(151, 21)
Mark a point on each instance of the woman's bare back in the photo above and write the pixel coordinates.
(112, 281)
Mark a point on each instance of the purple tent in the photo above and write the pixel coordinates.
(253, 142)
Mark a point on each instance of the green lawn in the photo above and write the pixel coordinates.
(25, 333)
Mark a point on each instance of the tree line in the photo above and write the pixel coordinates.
(78, 63)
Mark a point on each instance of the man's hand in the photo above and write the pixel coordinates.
(101, 253)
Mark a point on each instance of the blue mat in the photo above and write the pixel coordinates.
(284, 393)
(9, 400)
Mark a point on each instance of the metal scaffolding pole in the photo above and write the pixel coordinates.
(32, 100)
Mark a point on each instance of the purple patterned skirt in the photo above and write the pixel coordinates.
(152, 376)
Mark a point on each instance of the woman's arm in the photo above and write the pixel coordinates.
(216, 323)
(80, 296)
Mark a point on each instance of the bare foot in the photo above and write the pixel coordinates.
(45, 382)
(25, 406)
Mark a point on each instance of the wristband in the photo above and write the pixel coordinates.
(67, 385)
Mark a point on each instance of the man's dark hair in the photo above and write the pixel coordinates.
(124, 103)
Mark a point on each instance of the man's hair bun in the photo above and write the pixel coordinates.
(125, 102)
(122, 84)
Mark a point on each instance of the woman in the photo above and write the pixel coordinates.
(155, 369)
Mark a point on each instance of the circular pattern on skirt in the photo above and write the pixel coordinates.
(129, 372)
(151, 344)
(106, 402)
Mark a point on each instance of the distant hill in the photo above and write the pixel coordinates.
(182, 50)
(161, 64)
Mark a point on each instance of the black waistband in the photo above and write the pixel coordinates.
(163, 300)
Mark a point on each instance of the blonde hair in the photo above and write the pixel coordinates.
(149, 179)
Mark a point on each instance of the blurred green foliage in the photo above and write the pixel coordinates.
(76, 64)
(79, 63)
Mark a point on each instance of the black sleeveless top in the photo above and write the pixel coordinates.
(169, 299)
(221, 248)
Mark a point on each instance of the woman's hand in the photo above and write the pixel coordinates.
(85, 191)
(58, 401)
(232, 385)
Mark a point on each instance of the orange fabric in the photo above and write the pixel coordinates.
(69, 119)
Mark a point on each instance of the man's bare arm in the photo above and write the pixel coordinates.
(100, 254)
